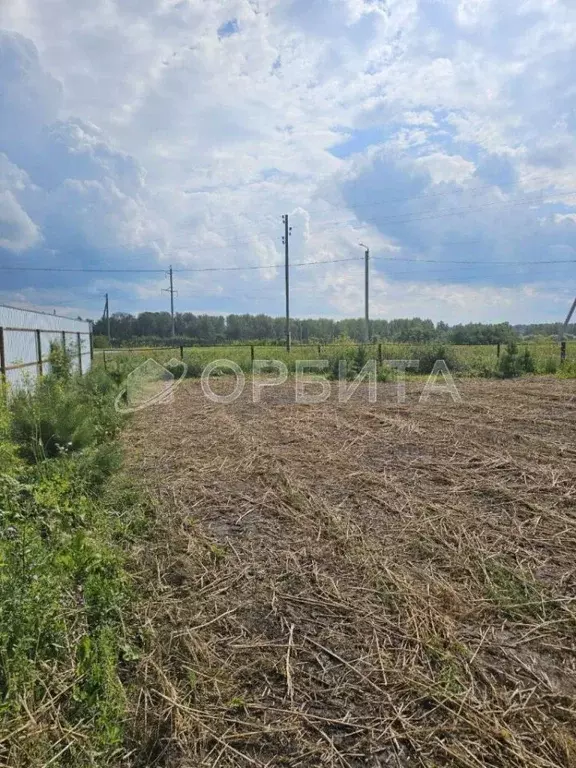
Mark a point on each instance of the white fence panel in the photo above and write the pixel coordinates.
(26, 337)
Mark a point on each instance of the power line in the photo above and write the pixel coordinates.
(472, 261)
(426, 195)
(278, 265)
(429, 275)
(408, 218)
(398, 219)
(80, 270)
(370, 203)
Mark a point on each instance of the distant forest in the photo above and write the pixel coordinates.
(156, 327)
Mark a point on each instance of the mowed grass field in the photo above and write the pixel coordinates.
(471, 359)
(355, 584)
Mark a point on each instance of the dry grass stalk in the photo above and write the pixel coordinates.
(360, 585)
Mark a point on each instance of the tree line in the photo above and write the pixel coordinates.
(156, 327)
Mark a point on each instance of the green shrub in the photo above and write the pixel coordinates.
(9, 461)
(194, 369)
(348, 363)
(513, 363)
(527, 362)
(50, 421)
(60, 362)
(428, 356)
(63, 584)
(385, 373)
(100, 342)
(550, 365)
(63, 414)
(567, 370)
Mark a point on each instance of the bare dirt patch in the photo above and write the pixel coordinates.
(360, 584)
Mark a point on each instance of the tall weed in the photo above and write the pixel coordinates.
(64, 522)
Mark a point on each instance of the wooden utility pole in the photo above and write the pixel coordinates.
(287, 233)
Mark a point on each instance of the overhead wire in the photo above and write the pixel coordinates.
(397, 219)
(276, 265)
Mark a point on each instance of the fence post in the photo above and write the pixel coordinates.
(2, 362)
(319, 350)
(91, 343)
(562, 351)
(252, 352)
(380, 359)
(498, 350)
(104, 359)
(39, 353)
(181, 353)
(79, 343)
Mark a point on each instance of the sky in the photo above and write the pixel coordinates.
(139, 134)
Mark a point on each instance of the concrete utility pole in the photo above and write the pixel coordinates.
(366, 292)
(563, 331)
(287, 233)
(171, 291)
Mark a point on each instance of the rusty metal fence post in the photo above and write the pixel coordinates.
(39, 352)
(79, 345)
(2, 364)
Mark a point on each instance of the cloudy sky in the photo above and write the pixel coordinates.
(135, 134)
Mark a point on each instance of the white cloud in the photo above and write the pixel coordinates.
(443, 168)
(17, 230)
(138, 133)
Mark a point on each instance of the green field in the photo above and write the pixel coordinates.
(464, 359)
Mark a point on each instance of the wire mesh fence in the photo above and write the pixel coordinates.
(475, 359)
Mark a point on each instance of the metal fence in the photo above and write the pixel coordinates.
(26, 337)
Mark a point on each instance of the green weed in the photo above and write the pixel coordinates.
(64, 525)
(514, 592)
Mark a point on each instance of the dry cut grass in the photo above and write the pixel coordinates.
(360, 585)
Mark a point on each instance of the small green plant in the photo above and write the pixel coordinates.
(60, 362)
(515, 593)
(385, 373)
(348, 363)
(513, 363)
(63, 414)
(428, 356)
(63, 584)
(550, 365)
(527, 362)
(100, 342)
(9, 461)
(567, 370)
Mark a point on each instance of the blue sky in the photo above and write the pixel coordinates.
(135, 134)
